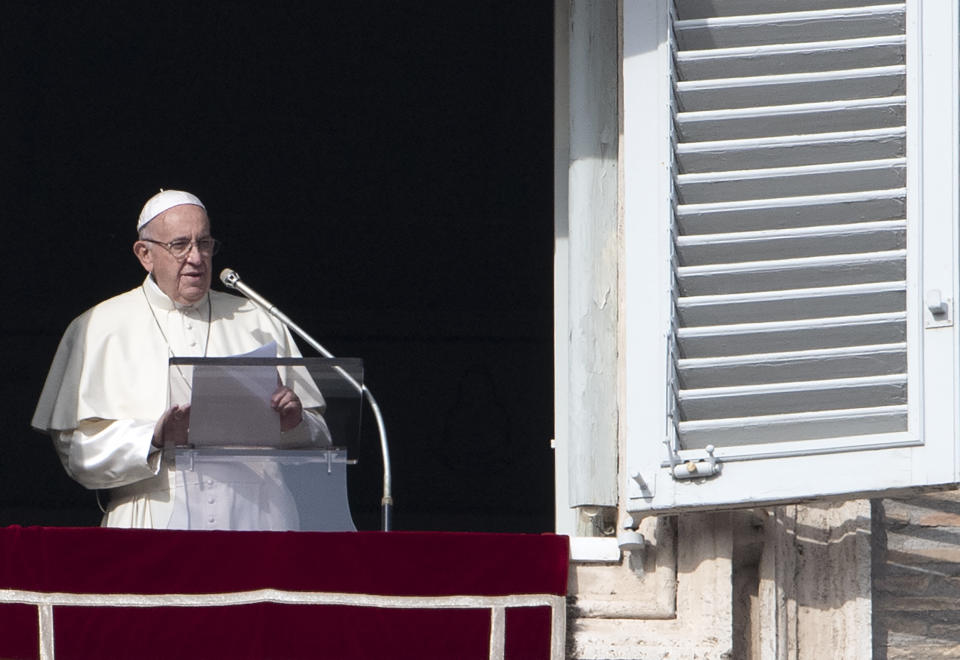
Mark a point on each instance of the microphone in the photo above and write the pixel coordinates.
(231, 279)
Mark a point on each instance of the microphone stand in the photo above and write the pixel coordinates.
(231, 279)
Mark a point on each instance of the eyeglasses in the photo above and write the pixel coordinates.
(181, 247)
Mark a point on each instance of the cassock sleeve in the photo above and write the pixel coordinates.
(108, 453)
(311, 432)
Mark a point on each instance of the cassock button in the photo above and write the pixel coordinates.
(211, 500)
(211, 520)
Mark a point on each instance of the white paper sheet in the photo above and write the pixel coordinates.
(230, 406)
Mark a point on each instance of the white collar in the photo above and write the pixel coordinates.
(159, 300)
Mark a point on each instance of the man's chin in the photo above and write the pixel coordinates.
(193, 294)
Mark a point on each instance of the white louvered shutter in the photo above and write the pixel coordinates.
(789, 209)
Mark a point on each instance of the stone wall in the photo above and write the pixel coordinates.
(674, 600)
(783, 583)
(916, 577)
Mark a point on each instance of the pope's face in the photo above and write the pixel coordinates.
(186, 280)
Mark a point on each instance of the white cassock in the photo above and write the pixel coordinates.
(108, 386)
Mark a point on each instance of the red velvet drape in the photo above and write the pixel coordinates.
(104, 561)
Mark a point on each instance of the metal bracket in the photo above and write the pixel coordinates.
(638, 487)
(708, 467)
(629, 539)
(939, 312)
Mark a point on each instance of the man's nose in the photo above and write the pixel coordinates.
(194, 255)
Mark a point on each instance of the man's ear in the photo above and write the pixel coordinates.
(142, 250)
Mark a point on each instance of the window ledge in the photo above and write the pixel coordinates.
(588, 549)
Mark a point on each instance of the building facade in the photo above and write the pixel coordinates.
(756, 263)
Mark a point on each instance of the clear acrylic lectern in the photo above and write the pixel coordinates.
(239, 470)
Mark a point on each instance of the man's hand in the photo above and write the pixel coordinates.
(288, 406)
(172, 427)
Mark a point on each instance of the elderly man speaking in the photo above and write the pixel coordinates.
(105, 398)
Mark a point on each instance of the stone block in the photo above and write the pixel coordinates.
(913, 583)
(917, 604)
(913, 626)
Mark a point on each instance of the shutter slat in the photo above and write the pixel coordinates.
(693, 9)
(788, 153)
(796, 27)
(724, 93)
(820, 364)
(791, 243)
(791, 150)
(804, 272)
(812, 365)
(780, 429)
(792, 181)
(792, 305)
(785, 398)
(792, 119)
(815, 210)
(757, 338)
(769, 59)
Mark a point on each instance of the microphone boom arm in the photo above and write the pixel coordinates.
(231, 279)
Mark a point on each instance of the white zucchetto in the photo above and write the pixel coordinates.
(163, 200)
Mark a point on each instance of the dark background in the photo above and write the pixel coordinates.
(382, 171)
